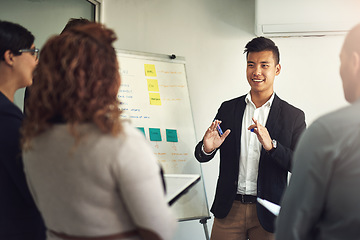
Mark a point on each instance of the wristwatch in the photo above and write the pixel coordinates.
(274, 144)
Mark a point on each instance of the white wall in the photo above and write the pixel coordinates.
(43, 18)
(211, 35)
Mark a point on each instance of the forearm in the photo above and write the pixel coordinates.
(283, 156)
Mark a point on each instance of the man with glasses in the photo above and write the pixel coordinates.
(19, 217)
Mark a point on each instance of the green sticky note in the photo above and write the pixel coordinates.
(142, 130)
(171, 135)
(155, 134)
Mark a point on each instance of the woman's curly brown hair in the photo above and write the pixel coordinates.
(76, 81)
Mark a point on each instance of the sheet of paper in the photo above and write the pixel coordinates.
(176, 184)
(272, 207)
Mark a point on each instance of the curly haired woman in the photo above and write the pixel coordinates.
(82, 163)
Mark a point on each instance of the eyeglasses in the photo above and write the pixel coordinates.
(32, 51)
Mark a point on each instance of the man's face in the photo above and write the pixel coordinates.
(261, 71)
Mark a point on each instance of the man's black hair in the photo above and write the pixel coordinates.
(260, 44)
(74, 22)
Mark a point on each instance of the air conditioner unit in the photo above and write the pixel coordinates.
(284, 18)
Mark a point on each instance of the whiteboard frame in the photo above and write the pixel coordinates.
(152, 56)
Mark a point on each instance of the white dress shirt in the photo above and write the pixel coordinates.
(251, 146)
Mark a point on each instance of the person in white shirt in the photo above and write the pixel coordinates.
(255, 150)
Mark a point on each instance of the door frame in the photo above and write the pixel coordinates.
(97, 4)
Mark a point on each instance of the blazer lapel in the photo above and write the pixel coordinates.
(239, 113)
(273, 115)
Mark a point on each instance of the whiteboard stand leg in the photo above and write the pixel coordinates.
(203, 222)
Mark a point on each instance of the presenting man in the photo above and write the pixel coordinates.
(256, 156)
(323, 199)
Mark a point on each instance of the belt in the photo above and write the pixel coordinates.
(245, 198)
(108, 237)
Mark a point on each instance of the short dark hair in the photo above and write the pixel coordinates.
(14, 37)
(74, 22)
(260, 44)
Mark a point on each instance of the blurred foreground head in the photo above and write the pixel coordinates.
(76, 81)
(75, 22)
(350, 65)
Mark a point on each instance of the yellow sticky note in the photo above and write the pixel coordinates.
(150, 70)
(153, 85)
(155, 99)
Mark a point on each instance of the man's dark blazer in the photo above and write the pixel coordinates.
(19, 217)
(285, 124)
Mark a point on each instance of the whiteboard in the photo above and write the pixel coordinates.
(154, 96)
